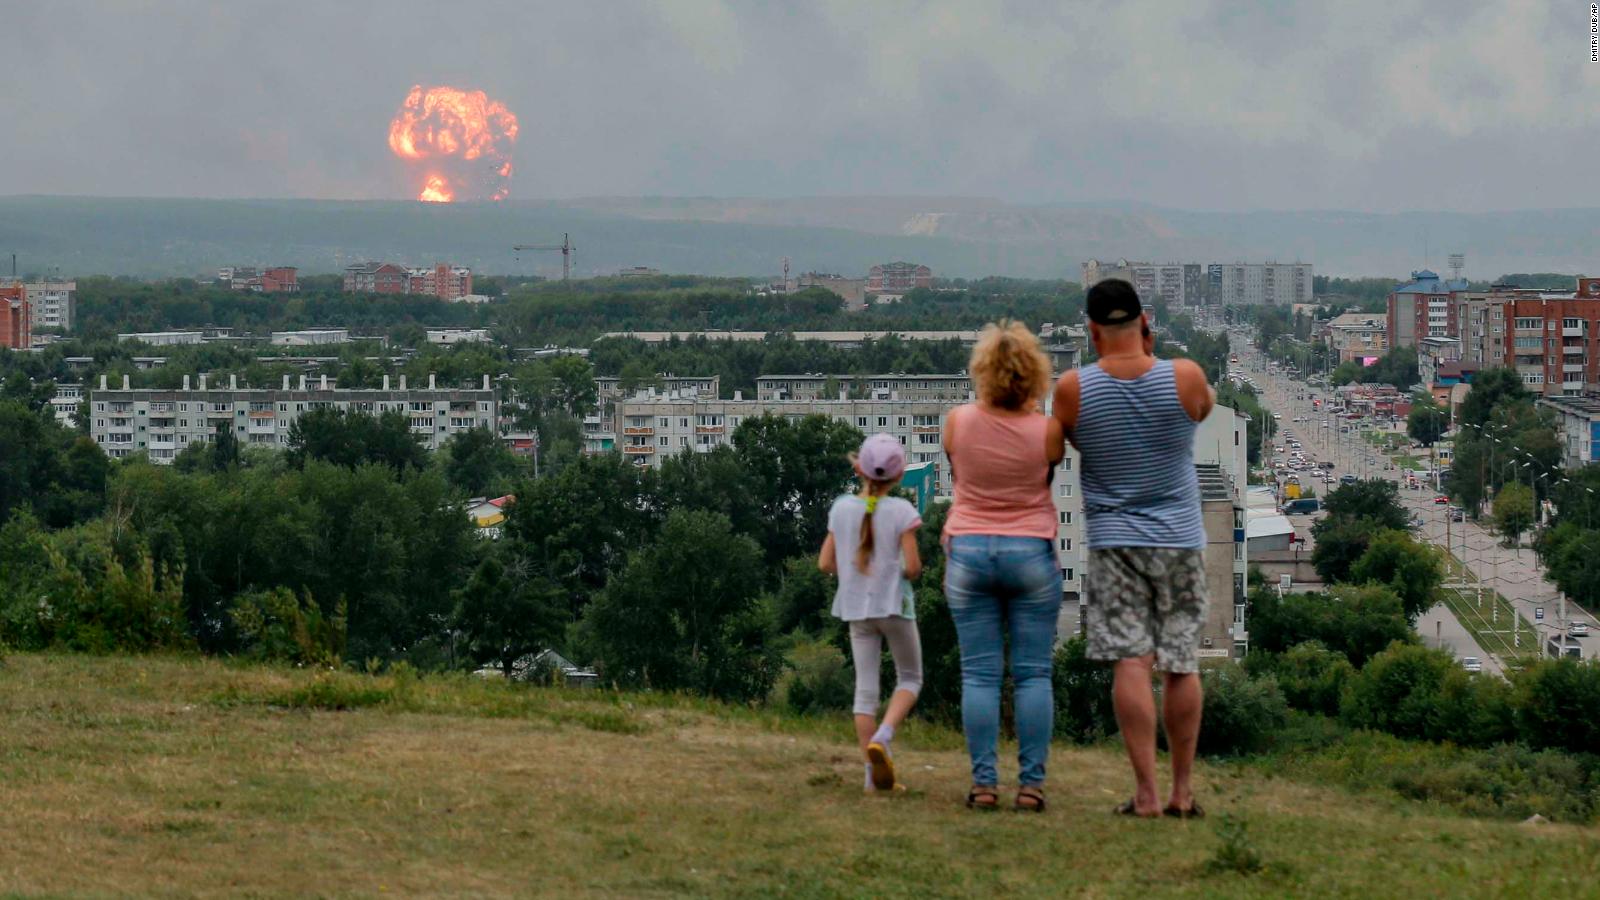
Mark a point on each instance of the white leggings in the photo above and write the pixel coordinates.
(866, 645)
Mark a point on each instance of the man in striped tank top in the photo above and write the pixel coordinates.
(1132, 418)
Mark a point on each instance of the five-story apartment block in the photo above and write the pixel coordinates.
(162, 423)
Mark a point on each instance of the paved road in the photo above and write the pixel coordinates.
(1440, 628)
(1513, 572)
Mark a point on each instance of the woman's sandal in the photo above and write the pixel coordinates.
(990, 797)
(1029, 793)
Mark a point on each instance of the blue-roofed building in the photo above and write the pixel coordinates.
(1423, 307)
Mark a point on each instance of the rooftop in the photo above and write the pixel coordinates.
(1582, 406)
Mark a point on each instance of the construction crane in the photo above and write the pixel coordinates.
(565, 247)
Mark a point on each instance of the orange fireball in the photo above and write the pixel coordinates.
(461, 141)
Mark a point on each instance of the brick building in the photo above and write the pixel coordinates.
(1425, 306)
(441, 280)
(268, 280)
(898, 278)
(375, 278)
(1555, 340)
(16, 327)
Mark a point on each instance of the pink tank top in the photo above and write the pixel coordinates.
(999, 467)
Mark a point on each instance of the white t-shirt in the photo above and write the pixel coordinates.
(882, 590)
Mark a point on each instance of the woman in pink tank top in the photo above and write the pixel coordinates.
(1001, 571)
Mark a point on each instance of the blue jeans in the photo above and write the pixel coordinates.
(987, 578)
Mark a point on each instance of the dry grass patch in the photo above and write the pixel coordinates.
(194, 777)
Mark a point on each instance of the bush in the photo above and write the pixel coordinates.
(1417, 692)
(1241, 714)
(79, 589)
(1084, 713)
(818, 680)
(1355, 621)
(1312, 677)
(275, 625)
(1509, 780)
(1556, 703)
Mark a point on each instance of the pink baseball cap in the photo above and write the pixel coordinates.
(881, 457)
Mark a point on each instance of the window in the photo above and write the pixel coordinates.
(1068, 575)
(1069, 517)
(1527, 322)
(861, 421)
(1066, 489)
(663, 422)
(663, 441)
(883, 421)
(1063, 518)
(901, 421)
(1061, 543)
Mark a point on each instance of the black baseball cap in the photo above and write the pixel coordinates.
(1113, 302)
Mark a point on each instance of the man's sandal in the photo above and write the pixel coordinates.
(1193, 812)
(983, 797)
(1129, 808)
(1029, 799)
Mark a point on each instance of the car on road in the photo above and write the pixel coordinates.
(1578, 629)
(1457, 515)
(1416, 523)
(1348, 479)
(1472, 664)
(1441, 500)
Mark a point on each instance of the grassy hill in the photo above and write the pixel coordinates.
(969, 237)
(178, 776)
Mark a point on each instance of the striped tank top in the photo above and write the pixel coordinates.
(1138, 478)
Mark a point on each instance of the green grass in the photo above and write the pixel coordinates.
(174, 776)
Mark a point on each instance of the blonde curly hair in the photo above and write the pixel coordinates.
(1008, 367)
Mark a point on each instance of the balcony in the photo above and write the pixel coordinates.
(262, 414)
(638, 431)
(1572, 350)
(1573, 332)
(709, 429)
(924, 429)
(639, 450)
(1574, 367)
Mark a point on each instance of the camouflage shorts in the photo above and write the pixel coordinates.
(1143, 600)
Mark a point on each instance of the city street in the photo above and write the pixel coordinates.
(1514, 573)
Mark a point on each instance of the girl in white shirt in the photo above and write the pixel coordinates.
(879, 533)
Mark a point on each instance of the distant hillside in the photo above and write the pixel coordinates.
(741, 236)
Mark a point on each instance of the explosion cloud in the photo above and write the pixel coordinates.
(458, 143)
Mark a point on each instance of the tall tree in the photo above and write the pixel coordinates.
(683, 614)
(1426, 424)
(1513, 510)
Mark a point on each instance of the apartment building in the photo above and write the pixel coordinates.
(161, 423)
(1555, 343)
(264, 280)
(898, 278)
(64, 403)
(1423, 307)
(608, 388)
(852, 290)
(1178, 284)
(1357, 336)
(1434, 354)
(16, 329)
(1258, 284)
(653, 427)
(442, 280)
(376, 278)
(51, 304)
(1577, 427)
(900, 386)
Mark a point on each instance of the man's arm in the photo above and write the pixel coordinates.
(1064, 406)
(1194, 393)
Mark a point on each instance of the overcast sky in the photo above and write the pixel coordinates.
(1199, 104)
